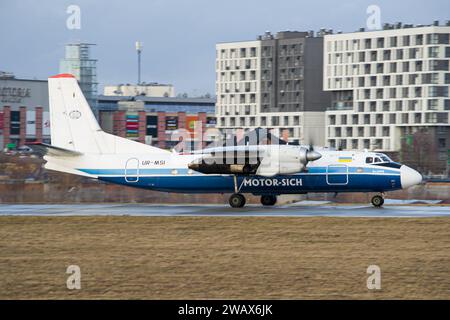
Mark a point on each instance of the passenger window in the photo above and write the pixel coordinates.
(369, 160)
(377, 160)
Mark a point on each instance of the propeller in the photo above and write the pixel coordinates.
(312, 154)
(309, 154)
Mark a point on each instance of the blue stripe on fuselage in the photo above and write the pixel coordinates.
(181, 171)
(305, 182)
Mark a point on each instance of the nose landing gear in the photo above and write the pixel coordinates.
(377, 201)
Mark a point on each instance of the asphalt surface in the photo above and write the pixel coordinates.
(294, 210)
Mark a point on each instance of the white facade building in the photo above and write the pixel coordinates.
(263, 84)
(385, 84)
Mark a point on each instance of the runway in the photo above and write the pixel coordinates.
(294, 210)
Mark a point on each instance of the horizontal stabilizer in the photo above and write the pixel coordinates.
(49, 150)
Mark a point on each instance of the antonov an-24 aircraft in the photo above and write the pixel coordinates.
(80, 147)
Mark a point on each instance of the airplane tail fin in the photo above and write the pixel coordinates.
(74, 126)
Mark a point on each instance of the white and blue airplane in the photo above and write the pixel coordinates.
(79, 146)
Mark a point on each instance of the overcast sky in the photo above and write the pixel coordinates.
(179, 36)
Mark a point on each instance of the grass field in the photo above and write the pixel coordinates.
(224, 257)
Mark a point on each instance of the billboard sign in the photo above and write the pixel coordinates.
(190, 123)
(46, 123)
(31, 123)
(171, 123)
(211, 122)
(152, 126)
(132, 125)
(15, 123)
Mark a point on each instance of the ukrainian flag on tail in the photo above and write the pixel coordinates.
(345, 159)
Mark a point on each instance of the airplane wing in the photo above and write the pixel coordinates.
(44, 149)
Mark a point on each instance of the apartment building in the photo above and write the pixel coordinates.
(386, 86)
(274, 82)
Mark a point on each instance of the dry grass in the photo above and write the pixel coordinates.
(223, 257)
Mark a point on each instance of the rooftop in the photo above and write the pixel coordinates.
(157, 99)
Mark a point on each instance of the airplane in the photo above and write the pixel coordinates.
(79, 146)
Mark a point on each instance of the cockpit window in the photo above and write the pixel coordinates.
(369, 160)
(385, 159)
(377, 160)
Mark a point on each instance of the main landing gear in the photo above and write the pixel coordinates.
(268, 200)
(237, 200)
(377, 201)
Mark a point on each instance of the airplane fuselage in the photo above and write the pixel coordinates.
(336, 171)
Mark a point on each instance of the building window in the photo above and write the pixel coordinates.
(275, 121)
(392, 119)
(433, 52)
(360, 106)
(432, 104)
(380, 42)
(379, 119)
(439, 65)
(441, 91)
(393, 41)
(366, 143)
(406, 41)
(393, 67)
(406, 66)
(438, 38)
(332, 120)
(419, 39)
(373, 56)
(360, 131)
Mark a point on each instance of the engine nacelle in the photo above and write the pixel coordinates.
(292, 161)
(286, 160)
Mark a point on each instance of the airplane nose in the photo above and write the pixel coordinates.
(409, 177)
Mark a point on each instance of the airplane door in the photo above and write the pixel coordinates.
(132, 170)
(337, 174)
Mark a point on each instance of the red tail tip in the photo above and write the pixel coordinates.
(63, 75)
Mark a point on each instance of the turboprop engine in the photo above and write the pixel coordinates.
(267, 160)
(286, 159)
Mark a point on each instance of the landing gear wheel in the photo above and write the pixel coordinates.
(377, 201)
(268, 200)
(237, 200)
